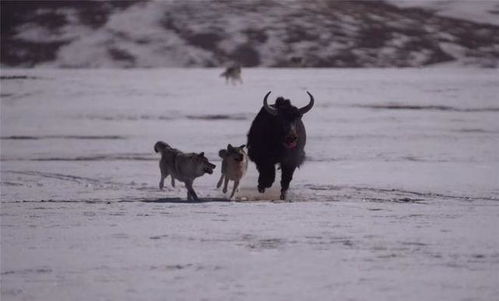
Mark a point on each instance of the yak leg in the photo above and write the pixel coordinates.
(286, 177)
(266, 177)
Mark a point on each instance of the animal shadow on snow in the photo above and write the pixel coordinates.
(184, 201)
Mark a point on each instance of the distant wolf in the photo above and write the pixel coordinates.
(234, 166)
(296, 61)
(185, 167)
(232, 73)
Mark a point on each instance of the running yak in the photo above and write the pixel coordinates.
(277, 136)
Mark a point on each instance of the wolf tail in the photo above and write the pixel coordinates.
(160, 146)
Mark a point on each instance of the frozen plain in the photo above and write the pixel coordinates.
(398, 200)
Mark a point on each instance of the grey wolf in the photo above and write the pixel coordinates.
(184, 167)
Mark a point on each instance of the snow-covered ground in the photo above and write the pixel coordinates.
(480, 11)
(398, 199)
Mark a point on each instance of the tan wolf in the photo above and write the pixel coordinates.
(234, 166)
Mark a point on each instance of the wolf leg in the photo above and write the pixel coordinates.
(173, 181)
(162, 182)
(234, 189)
(164, 174)
(194, 195)
(226, 182)
(191, 194)
(220, 181)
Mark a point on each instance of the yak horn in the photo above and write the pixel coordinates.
(307, 108)
(268, 108)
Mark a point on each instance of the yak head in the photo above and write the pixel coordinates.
(288, 118)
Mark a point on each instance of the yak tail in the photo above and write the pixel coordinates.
(160, 146)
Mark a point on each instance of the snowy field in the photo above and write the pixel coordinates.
(398, 198)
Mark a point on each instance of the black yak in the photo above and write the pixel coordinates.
(277, 136)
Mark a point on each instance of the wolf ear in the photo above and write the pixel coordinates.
(201, 154)
(222, 153)
(242, 146)
(230, 147)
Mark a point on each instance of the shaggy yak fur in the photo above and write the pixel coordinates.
(277, 136)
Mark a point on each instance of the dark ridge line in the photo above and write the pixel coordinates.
(182, 201)
(79, 180)
(70, 178)
(90, 137)
(476, 131)
(409, 136)
(399, 159)
(82, 159)
(173, 200)
(88, 159)
(217, 117)
(179, 200)
(12, 96)
(28, 271)
(96, 158)
(10, 183)
(128, 118)
(421, 194)
(207, 117)
(426, 107)
(13, 77)
(111, 158)
(66, 201)
(58, 176)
